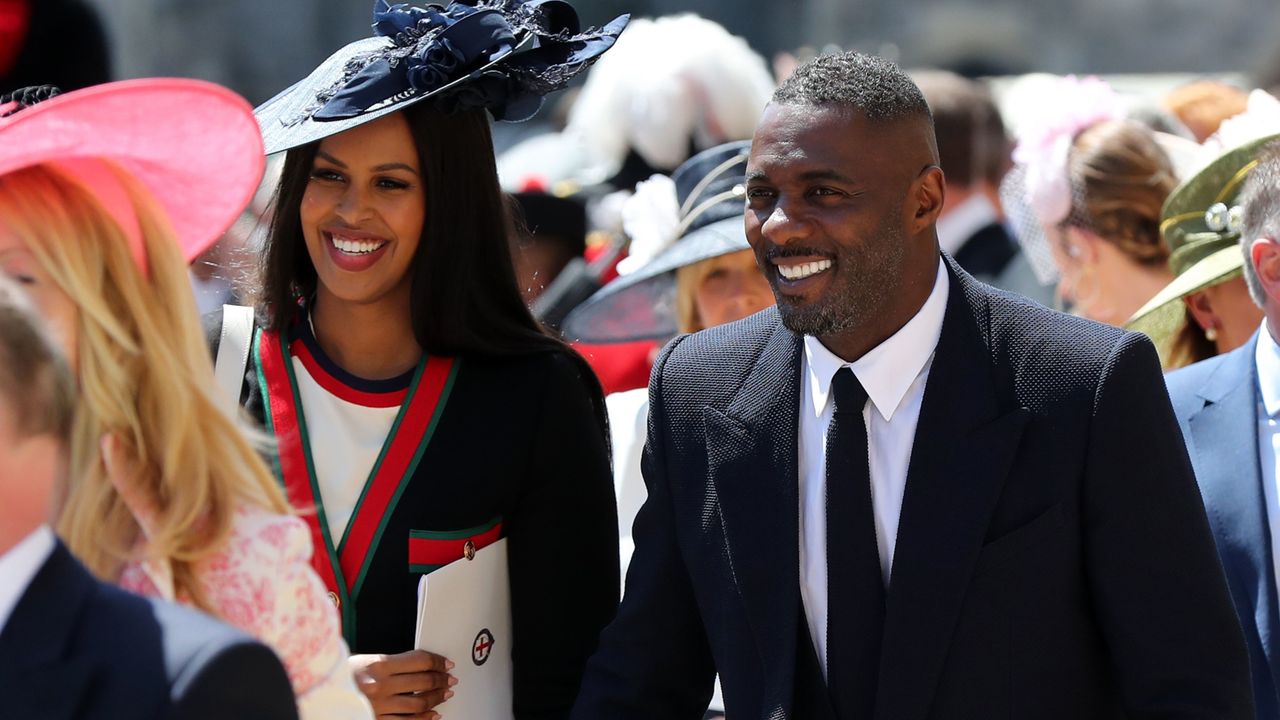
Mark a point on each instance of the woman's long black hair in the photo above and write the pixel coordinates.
(464, 295)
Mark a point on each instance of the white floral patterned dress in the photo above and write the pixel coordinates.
(262, 583)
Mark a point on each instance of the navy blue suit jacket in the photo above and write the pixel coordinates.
(78, 648)
(1053, 559)
(1216, 402)
(987, 252)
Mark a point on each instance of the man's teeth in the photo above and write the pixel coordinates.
(800, 272)
(355, 247)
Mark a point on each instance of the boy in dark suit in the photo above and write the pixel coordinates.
(74, 647)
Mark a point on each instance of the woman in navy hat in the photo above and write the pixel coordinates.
(415, 403)
(690, 269)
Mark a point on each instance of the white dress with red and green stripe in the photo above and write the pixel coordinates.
(471, 449)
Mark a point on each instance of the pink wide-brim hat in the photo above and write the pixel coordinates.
(195, 146)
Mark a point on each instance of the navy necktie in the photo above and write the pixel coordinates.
(855, 586)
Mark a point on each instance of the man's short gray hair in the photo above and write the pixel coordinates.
(1260, 198)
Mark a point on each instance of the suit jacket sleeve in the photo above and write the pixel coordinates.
(1158, 589)
(563, 550)
(243, 680)
(654, 660)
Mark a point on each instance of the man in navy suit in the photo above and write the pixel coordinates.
(1229, 405)
(74, 647)
(902, 494)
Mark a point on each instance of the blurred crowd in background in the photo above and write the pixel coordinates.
(589, 178)
(1081, 142)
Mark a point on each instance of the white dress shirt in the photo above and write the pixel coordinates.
(894, 375)
(628, 428)
(18, 567)
(1267, 357)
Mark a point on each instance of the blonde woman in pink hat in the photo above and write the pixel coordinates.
(105, 195)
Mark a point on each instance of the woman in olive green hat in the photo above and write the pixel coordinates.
(1206, 310)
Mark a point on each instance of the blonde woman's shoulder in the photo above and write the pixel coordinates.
(263, 582)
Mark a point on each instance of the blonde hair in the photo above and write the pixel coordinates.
(688, 279)
(145, 375)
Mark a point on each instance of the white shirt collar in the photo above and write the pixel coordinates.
(887, 370)
(957, 226)
(19, 565)
(1267, 357)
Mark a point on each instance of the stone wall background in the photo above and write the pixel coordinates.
(259, 46)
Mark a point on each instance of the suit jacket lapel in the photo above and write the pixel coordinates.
(34, 670)
(752, 468)
(1224, 434)
(964, 444)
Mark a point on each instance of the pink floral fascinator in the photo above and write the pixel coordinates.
(1037, 193)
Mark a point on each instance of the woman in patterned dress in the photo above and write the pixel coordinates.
(105, 194)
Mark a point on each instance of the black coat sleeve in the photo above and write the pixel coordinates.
(654, 660)
(1159, 592)
(243, 680)
(563, 548)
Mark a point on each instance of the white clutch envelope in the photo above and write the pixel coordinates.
(464, 614)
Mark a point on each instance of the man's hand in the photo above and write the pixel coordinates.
(407, 685)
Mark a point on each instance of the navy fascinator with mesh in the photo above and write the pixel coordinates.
(502, 56)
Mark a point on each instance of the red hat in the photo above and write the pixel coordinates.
(193, 145)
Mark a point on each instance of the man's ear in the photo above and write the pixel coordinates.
(1265, 255)
(928, 193)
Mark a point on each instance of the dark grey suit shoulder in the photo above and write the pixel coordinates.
(76, 647)
(1031, 576)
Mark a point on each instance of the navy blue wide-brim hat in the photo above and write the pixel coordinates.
(499, 55)
(710, 189)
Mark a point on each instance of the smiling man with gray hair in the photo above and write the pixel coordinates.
(1229, 405)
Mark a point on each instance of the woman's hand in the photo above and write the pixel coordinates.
(405, 685)
(125, 474)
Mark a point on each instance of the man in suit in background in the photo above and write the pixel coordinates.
(1229, 408)
(74, 647)
(902, 494)
(974, 153)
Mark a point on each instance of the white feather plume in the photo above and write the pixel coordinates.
(650, 218)
(665, 83)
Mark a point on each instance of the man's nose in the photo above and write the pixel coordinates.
(785, 225)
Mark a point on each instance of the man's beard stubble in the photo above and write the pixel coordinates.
(867, 276)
